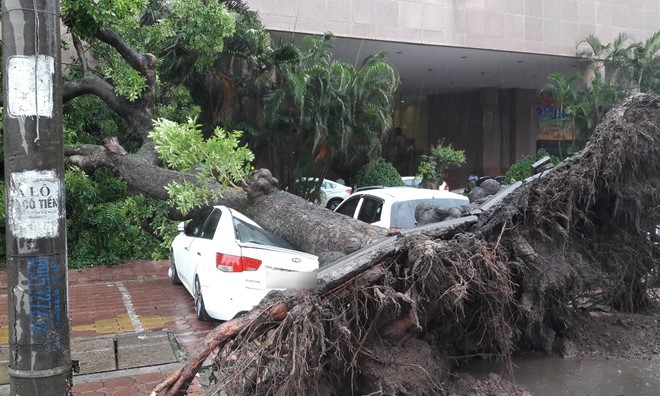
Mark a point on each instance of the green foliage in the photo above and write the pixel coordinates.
(233, 79)
(195, 27)
(97, 202)
(522, 169)
(379, 173)
(176, 104)
(128, 82)
(182, 147)
(633, 65)
(201, 27)
(433, 167)
(87, 17)
(153, 214)
(323, 106)
(87, 120)
(99, 227)
(620, 68)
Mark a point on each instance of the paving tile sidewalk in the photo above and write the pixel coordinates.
(136, 298)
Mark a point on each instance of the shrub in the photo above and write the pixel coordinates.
(99, 226)
(433, 167)
(379, 173)
(522, 169)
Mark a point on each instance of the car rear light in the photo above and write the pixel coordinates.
(250, 264)
(446, 187)
(230, 263)
(394, 229)
(349, 191)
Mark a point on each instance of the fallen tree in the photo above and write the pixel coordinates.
(390, 317)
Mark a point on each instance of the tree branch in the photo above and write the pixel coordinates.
(137, 60)
(138, 170)
(94, 85)
(77, 44)
(144, 63)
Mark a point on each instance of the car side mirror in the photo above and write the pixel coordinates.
(181, 226)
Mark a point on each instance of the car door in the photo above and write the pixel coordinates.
(350, 205)
(202, 248)
(185, 259)
(371, 210)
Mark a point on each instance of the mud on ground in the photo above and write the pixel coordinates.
(615, 334)
(598, 332)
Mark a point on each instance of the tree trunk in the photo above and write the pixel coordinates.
(307, 226)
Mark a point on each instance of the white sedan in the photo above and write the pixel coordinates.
(229, 263)
(332, 193)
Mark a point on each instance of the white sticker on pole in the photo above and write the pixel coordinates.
(34, 204)
(30, 86)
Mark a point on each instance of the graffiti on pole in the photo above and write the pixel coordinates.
(46, 299)
(34, 204)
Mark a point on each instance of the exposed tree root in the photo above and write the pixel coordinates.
(508, 282)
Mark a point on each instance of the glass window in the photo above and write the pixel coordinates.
(348, 207)
(211, 224)
(194, 226)
(246, 232)
(403, 212)
(370, 210)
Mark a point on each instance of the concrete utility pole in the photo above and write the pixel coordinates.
(39, 346)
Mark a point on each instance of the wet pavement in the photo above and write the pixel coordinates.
(129, 327)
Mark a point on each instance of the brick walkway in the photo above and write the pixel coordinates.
(130, 298)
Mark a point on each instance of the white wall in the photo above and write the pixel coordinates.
(536, 26)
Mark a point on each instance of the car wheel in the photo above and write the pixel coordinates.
(332, 205)
(200, 310)
(175, 274)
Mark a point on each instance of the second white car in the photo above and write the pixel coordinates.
(394, 207)
(331, 194)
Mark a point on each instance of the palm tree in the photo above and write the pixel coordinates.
(632, 65)
(570, 106)
(327, 105)
(646, 64)
(372, 93)
(619, 68)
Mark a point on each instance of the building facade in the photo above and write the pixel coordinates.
(470, 69)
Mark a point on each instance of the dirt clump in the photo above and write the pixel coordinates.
(412, 368)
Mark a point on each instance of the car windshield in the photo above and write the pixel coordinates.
(403, 212)
(246, 232)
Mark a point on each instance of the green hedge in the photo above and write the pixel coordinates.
(379, 173)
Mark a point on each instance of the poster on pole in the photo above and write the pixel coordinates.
(30, 86)
(34, 204)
